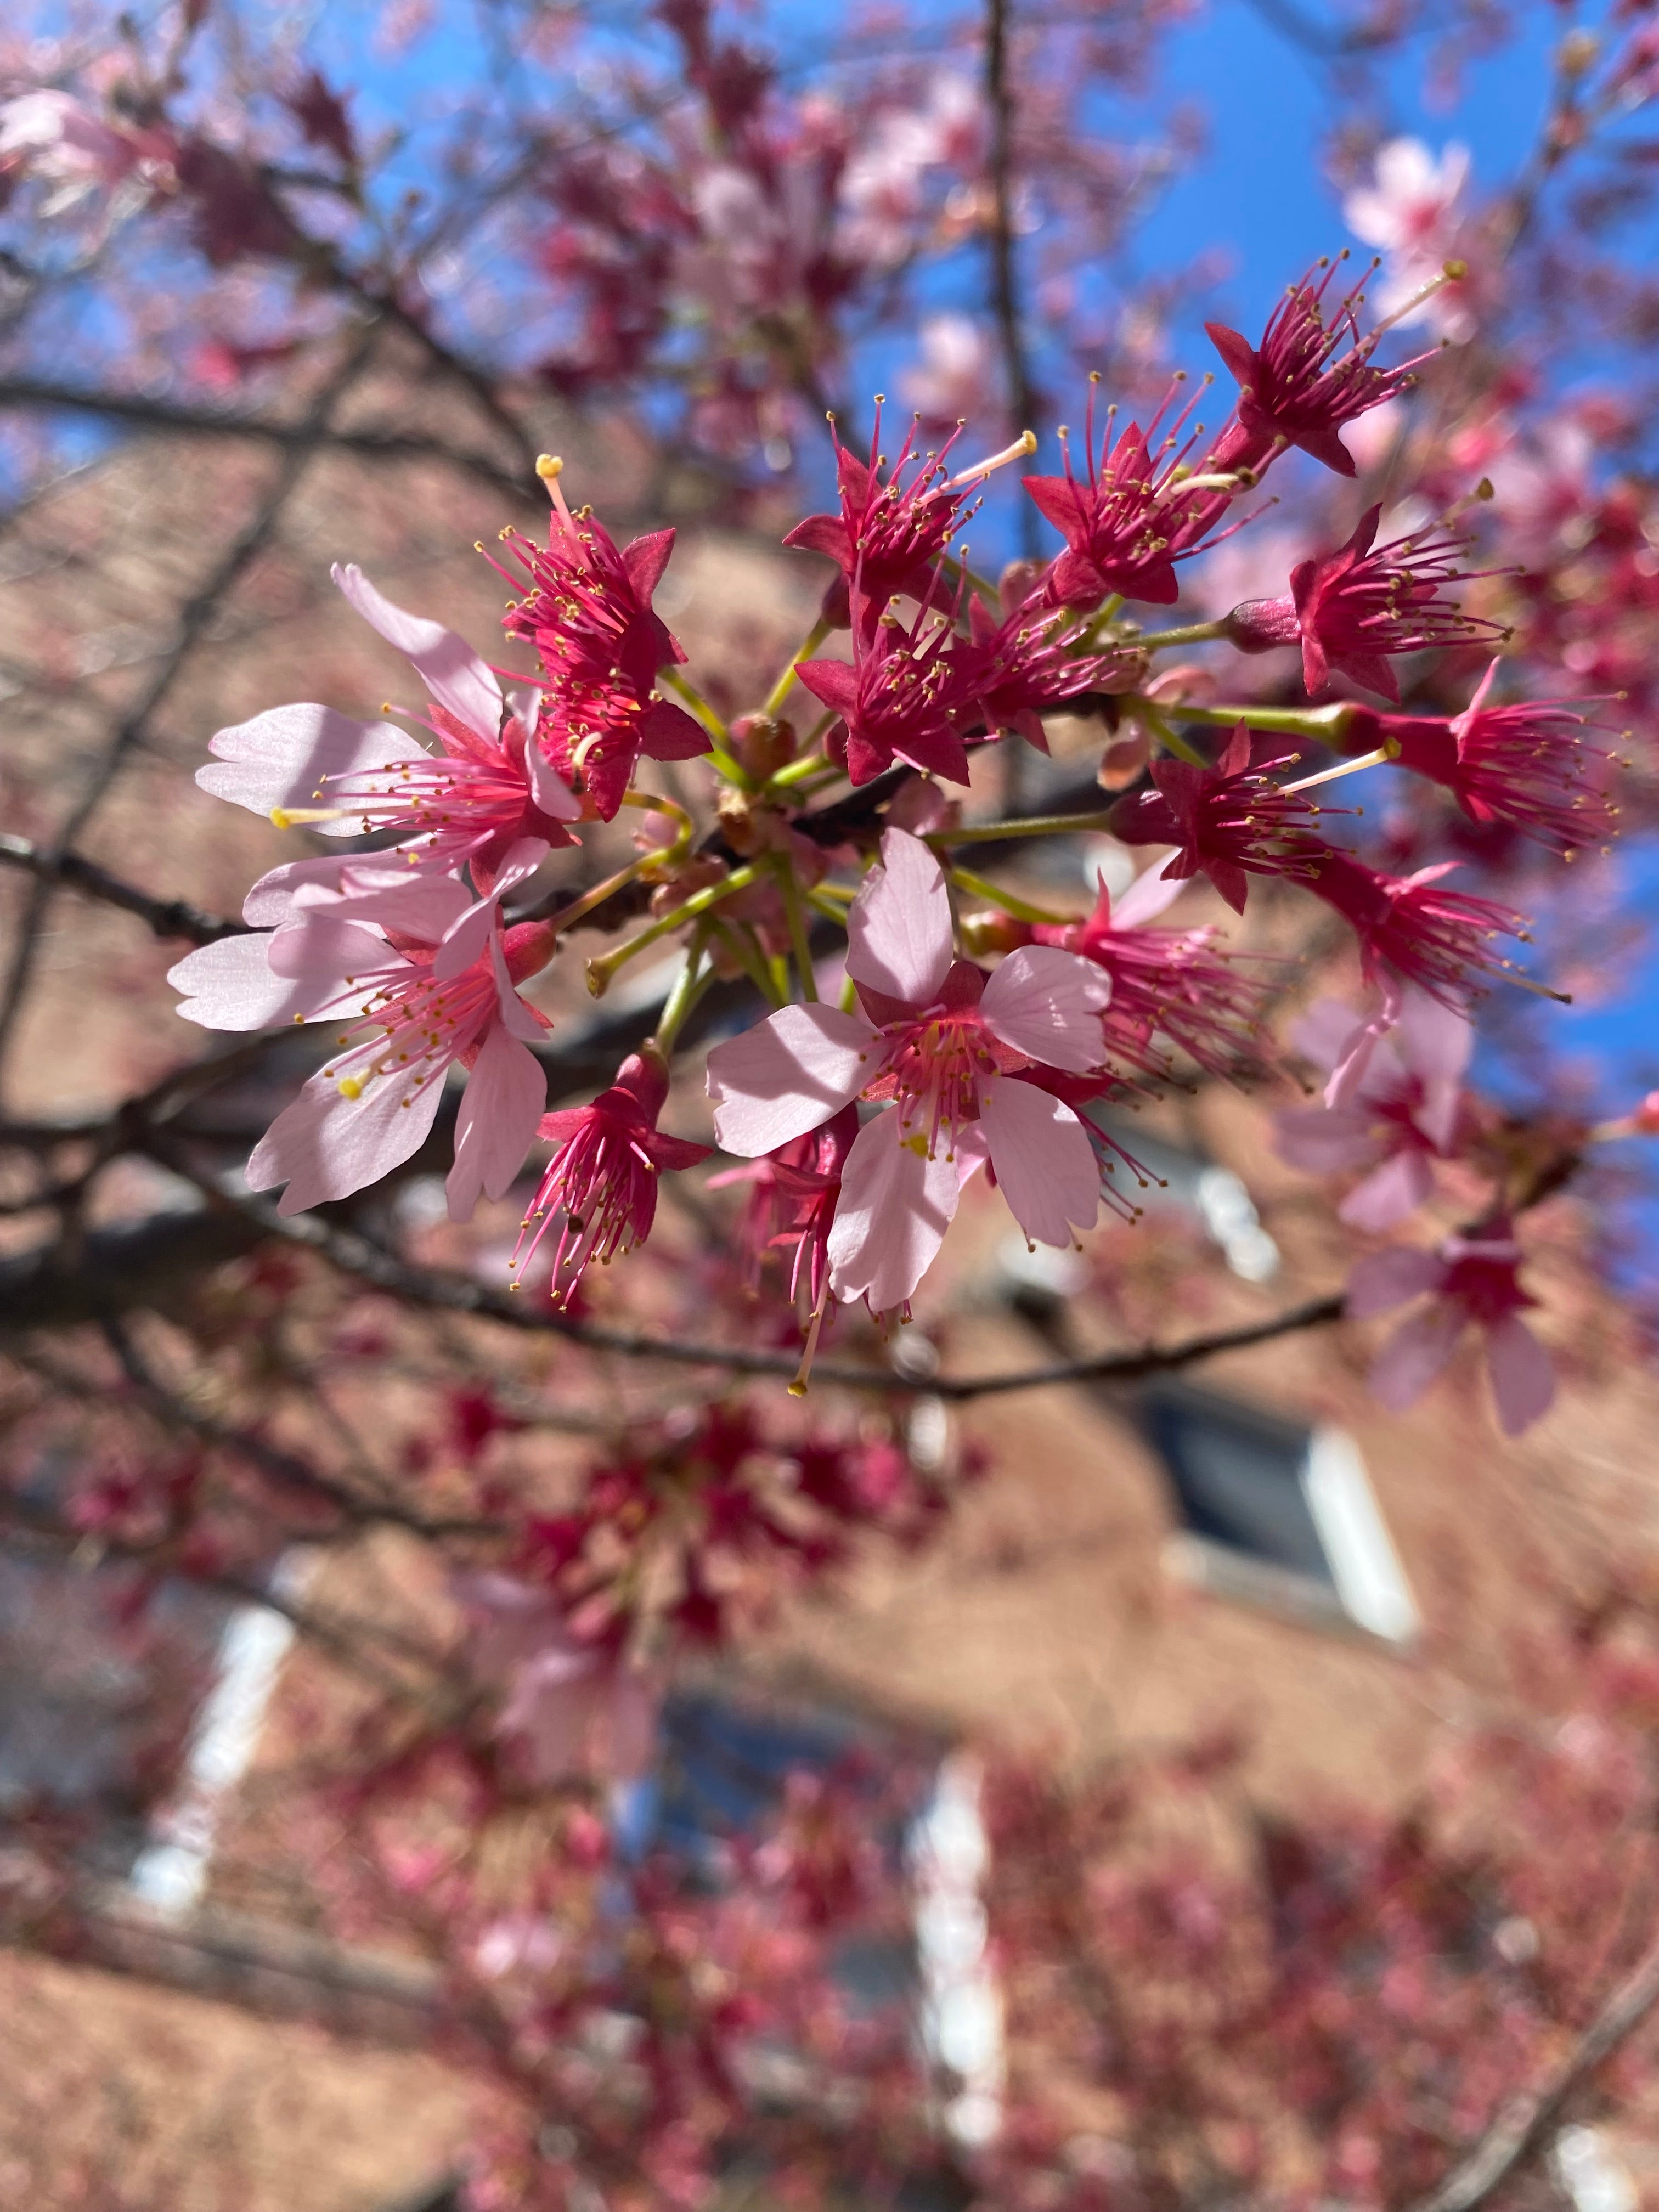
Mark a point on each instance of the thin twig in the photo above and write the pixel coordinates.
(194, 619)
(999, 98)
(1526, 2121)
(175, 917)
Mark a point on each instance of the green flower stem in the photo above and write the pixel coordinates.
(602, 971)
(1034, 825)
(809, 644)
(807, 769)
(1109, 613)
(789, 890)
(741, 945)
(1187, 634)
(1166, 736)
(1324, 723)
(689, 695)
(693, 980)
(1005, 901)
(827, 907)
(568, 916)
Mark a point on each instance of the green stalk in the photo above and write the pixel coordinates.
(725, 763)
(688, 986)
(1034, 825)
(789, 891)
(1187, 634)
(1005, 901)
(809, 644)
(601, 972)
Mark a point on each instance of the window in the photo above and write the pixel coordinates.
(1275, 1513)
(1186, 1180)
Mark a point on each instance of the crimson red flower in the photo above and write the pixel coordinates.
(1015, 670)
(899, 700)
(1351, 608)
(1165, 982)
(602, 1182)
(1117, 526)
(889, 533)
(1229, 822)
(1523, 764)
(1439, 939)
(588, 614)
(1299, 385)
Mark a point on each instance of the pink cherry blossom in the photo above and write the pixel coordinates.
(60, 140)
(572, 1706)
(1413, 211)
(1399, 1115)
(601, 1184)
(374, 964)
(488, 791)
(1471, 1280)
(947, 1046)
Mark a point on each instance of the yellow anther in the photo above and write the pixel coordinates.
(350, 1087)
(548, 465)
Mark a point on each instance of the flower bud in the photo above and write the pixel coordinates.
(988, 931)
(763, 743)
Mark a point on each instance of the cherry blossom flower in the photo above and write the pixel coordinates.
(1013, 672)
(1165, 982)
(891, 529)
(1524, 764)
(587, 612)
(1351, 609)
(900, 700)
(601, 1184)
(1228, 822)
(60, 140)
(947, 1047)
(1401, 1114)
(1307, 379)
(572, 1706)
(1411, 211)
(488, 792)
(1411, 930)
(955, 370)
(1471, 1280)
(1121, 524)
(382, 966)
(792, 1195)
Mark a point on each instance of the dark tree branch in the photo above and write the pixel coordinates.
(999, 99)
(168, 417)
(1526, 2121)
(166, 917)
(440, 1291)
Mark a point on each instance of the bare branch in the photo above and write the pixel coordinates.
(166, 917)
(1526, 2121)
(169, 417)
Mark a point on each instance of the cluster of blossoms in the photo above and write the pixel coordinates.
(861, 1122)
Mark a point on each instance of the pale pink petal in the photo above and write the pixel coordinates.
(898, 932)
(1384, 1280)
(1349, 1077)
(1322, 1141)
(231, 985)
(787, 1075)
(1415, 1354)
(518, 1018)
(1150, 895)
(1398, 1188)
(1047, 1005)
(325, 881)
(1045, 1165)
(468, 934)
(896, 1205)
(1521, 1372)
(1436, 1039)
(547, 788)
(412, 902)
(328, 954)
(1323, 1033)
(280, 758)
(505, 1097)
(325, 1145)
(447, 665)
